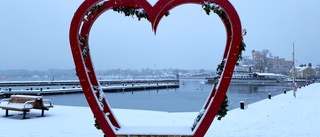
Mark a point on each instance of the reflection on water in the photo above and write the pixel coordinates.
(243, 89)
(190, 97)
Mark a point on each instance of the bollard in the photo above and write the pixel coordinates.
(269, 95)
(285, 91)
(242, 105)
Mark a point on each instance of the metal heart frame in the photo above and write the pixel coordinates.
(80, 28)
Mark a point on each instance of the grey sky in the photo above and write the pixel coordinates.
(34, 35)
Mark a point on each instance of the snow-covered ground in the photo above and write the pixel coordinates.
(280, 116)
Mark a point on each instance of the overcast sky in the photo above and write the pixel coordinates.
(34, 35)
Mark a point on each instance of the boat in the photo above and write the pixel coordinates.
(254, 78)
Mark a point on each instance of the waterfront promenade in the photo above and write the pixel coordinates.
(281, 116)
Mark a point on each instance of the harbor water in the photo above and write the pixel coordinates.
(189, 97)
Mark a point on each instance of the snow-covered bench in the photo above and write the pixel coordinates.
(25, 103)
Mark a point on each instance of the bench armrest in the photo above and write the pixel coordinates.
(48, 101)
(28, 102)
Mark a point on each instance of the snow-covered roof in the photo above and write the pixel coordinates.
(266, 74)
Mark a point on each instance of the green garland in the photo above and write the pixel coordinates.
(242, 46)
(95, 8)
(129, 11)
(96, 124)
(208, 7)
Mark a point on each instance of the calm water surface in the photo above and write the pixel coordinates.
(190, 97)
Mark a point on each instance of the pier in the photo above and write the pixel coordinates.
(12, 88)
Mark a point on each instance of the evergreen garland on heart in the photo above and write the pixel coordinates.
(129, 11)
(96, 124)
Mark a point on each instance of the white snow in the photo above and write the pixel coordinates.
(16, 105)
(27, 96)
(280, 116)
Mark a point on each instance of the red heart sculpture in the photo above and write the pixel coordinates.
(80, 27)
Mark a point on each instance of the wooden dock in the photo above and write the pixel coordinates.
(123, 87)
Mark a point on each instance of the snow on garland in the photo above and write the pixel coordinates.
(129, 11)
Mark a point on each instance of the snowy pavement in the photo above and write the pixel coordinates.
(280, 116)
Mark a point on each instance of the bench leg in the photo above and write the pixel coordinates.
(42, 113)
(7, 113)
(24, 114)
